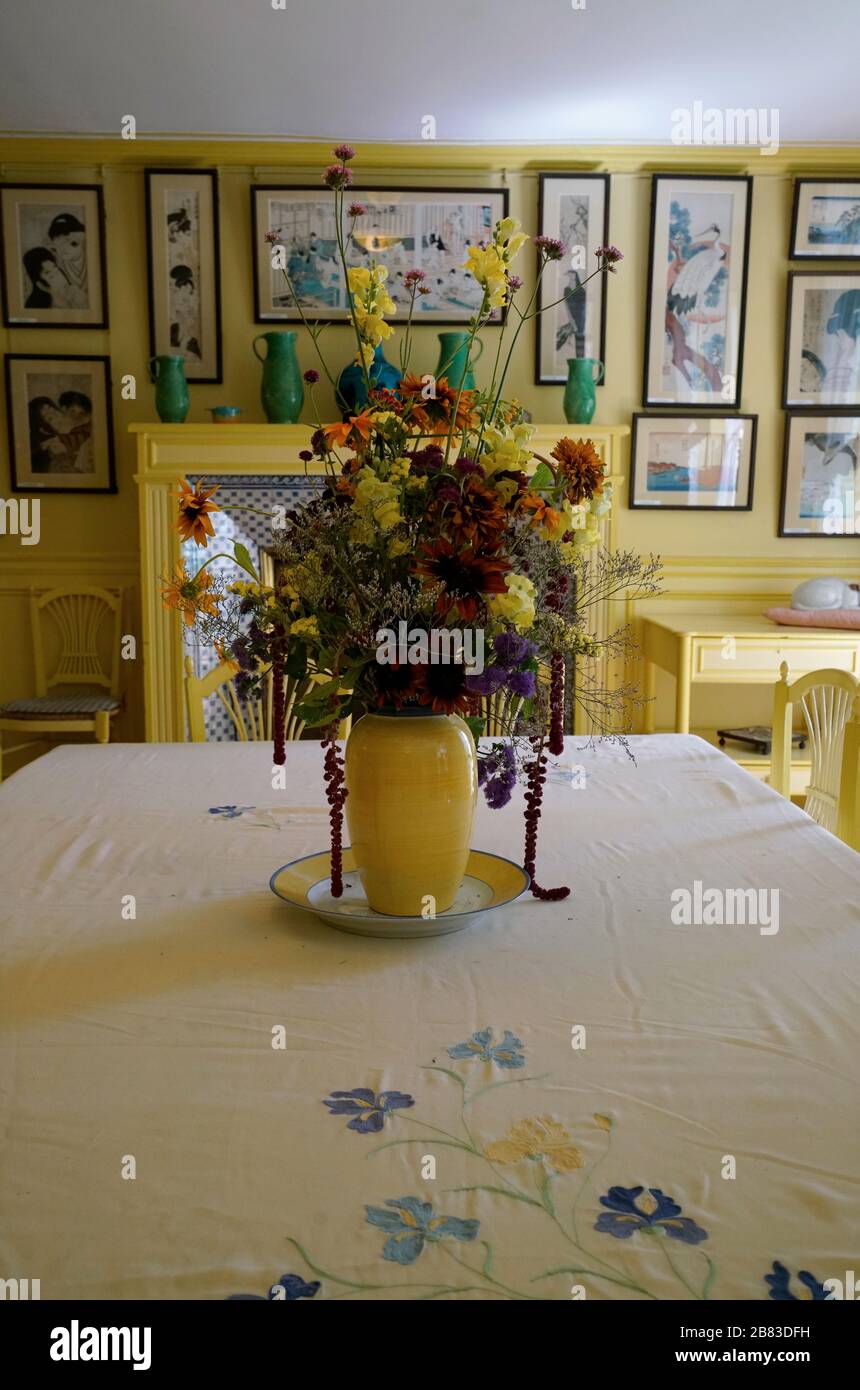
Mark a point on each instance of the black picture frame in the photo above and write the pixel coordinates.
(540, 377)
(33, 487)
(150, 174)
(792, 416)
(9, 321)
(318, 193)
(676, 419)
(818, 407)
(732, 406)
(828, 254)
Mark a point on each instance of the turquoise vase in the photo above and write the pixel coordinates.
(352, 385)
(452, 360)
(579, 398)
(171, 388)
(281, 392)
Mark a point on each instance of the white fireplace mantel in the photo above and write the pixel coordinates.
(166, 453)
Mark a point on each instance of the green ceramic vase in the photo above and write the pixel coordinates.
(281, 391)
(171, 388)
(579, 399)
(452, 360)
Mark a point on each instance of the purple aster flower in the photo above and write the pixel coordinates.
(312, 376)
(428, 460)
(515, 283)
(497, 774)
(552, 248)
(488, 682)
(343, 153)
(356, 209)
(510, 648)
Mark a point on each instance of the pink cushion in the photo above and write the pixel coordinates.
(816, 617)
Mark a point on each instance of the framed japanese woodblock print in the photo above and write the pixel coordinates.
(697, 282)
(700, 462)
(822, 339)
(53, 253)
(403, 229)
(820, 475)
(825, 221)
(574, 208)
(60, 423)
(184, 268)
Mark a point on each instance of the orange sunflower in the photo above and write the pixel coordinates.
(582, 468)
(194, 507)
(438, 409)
(542, 513)
(189, 595)
(477, 518)
(466, 577)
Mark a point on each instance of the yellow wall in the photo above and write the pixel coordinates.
(96, 537)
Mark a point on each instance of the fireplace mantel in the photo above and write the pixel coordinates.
(166, 453)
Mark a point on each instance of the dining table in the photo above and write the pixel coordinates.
(645, 1090)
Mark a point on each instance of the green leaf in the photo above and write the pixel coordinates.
(477, 725)
(500, 1192)
(542, 477)
(243, 559)
(296, 663)
(446, 1071)
(487, 1266)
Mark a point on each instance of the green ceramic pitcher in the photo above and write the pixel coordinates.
(281, 391)
(171, 388)
(452, 360)
(579, 398)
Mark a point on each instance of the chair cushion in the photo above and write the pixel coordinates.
(59, 706)
(815, 617)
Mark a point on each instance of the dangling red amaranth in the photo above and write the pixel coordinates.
(534, 798)
(556, 704)
(337, 793)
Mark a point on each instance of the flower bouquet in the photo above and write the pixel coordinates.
(444, 570)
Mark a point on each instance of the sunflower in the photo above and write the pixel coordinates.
(464, 575)
(477, 517)
(190, 596)
(582, 467)
(395, 683)
(194, 507)
(443, 687)
(438, 408)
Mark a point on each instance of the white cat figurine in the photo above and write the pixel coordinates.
(826, 592)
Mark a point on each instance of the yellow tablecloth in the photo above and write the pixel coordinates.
(564, 1087)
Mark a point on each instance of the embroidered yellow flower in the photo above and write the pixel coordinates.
(540, 1138)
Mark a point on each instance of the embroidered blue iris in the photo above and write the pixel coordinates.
(656, 1212)
(288, 1289)
(367, 1108)
(779, 1285)
(410, 1223)
(480, 1048)
(229, 812)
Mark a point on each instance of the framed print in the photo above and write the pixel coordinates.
(53, 251)
(184, 269)
(60, 423)
(574, 208)
(706, 462)
(825, 220)
(697, 280)
(404, 229)
(820, 480)
(822, 339)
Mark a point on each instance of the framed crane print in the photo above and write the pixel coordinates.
(822, 339)
(697, 282)
(574, 208)
(183, 250)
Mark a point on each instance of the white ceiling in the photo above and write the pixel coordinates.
(487, 70)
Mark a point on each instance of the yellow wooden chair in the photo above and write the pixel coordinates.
(77, 614)
(825, 698)
(252, 718)
(848, 817)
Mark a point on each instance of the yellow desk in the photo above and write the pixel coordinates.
(731, 649)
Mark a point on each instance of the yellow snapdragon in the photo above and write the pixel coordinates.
(489, 264)
(517, 605)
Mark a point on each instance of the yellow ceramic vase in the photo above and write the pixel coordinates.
(412, 781)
